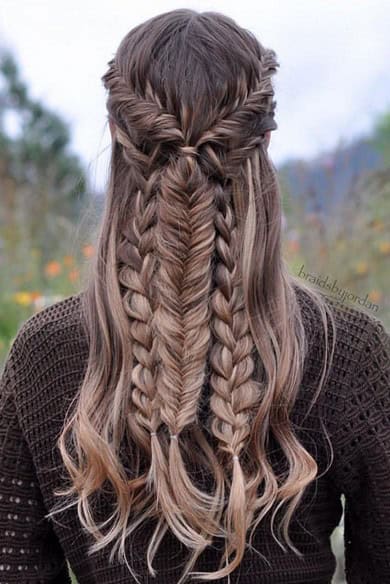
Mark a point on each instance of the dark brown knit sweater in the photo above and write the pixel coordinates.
(42, 373)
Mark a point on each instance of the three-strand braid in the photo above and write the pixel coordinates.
(137, 261)
(235, 393)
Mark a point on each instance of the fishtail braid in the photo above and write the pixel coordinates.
(185, 244)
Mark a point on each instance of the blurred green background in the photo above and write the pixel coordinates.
(336, 216)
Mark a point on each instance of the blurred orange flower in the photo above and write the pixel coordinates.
(361, 268)
(88, 250)
(68, 260)
(53, 268)
(35, 295)
(384, 247)
(323, 250)
(375, 296)
(74, 275)
(377, 224)
(293, 246)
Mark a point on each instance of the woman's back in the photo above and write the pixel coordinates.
(195, 393)
(42, 376)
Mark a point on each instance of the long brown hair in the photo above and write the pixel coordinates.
(188, 293)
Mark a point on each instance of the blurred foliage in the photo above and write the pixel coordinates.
(42, 184)
(43, 191)
(351, 251)
(381, 136)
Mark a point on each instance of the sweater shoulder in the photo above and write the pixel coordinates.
(361, 357)
(355, 332)
(354, 326)
(59, 315)
(46, 345)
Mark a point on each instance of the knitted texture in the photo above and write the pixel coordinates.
(41, 376)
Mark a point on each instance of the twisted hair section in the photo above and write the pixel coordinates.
(189, 304)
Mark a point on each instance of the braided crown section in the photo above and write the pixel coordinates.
(150, 135)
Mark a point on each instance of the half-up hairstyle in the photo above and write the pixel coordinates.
(189, 303)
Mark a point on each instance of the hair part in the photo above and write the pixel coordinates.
(188, 292)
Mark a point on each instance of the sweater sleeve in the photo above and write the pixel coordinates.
(363, 462)
(29, 549)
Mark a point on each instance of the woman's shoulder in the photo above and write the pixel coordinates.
(57, 321)
(62, 313)
(47, 345)
(355, 403)
(360, 364)
(355, 327)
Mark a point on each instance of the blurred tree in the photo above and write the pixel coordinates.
(381, 136)
(42, 184)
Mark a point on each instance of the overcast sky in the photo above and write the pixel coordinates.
(333, 80)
